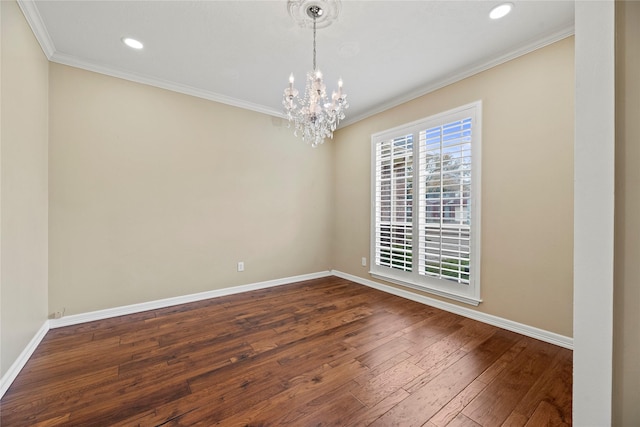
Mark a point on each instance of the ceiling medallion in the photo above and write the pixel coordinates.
(315, 116)
(299, 11)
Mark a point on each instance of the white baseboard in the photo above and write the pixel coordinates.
(530, 331)
(76, 319)
(11, 374)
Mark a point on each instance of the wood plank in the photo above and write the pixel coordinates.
(553, 387)
(386, 383)
(384, 352)
(462, 421)
(425, 402)
(300, 398)
(547, 414)
(515, 420)
(379, 369)
(367, 416)
(330, 409)
(505, 360)
(494, 404)
(459, 402)
(451, 343)
(433, 371)
(55, 421)
(455, 406)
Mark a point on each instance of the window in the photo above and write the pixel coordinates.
(425, 208)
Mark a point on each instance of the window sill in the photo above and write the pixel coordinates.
(424, 288)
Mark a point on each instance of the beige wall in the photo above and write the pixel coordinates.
(527, 184)
(626, 350)
(155, 194)
(23, 185)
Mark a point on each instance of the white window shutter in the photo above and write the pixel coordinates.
(425, 204)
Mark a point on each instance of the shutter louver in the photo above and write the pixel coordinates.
(445, 201)
(393, 204)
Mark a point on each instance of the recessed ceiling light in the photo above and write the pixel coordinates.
(132, 43)
(500, 11)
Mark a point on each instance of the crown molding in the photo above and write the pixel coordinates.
(31, 14)
(34, 19)
(468, 72)
(30, 11)
(72, 61)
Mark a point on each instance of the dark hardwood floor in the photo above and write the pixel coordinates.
(316, 353)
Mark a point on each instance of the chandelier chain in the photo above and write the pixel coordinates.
(314, 43)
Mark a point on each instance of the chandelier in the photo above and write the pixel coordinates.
(315, 116)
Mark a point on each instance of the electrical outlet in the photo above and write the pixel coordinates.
(240, 266)
(364, 261)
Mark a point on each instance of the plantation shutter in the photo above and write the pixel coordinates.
(444, 248)
(425, 204)
(393, 203)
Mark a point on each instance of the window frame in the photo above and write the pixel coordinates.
(466, 293)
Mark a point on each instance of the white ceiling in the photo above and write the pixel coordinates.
(242, 52)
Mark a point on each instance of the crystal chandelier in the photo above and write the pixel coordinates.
(315, 116)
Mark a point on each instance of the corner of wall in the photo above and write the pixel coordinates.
(23, 186)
